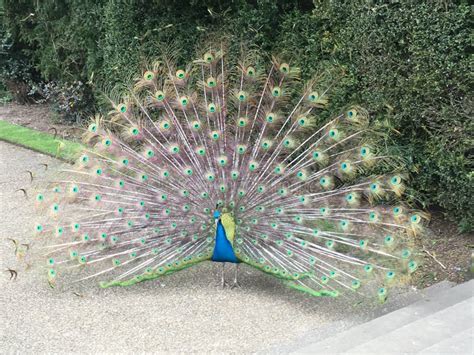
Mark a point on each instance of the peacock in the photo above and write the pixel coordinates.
(229, 161)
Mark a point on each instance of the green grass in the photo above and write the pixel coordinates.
(39, 141)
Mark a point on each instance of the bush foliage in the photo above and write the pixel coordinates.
(406, 61)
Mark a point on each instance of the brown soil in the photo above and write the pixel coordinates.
(38, 117)
(446, 254)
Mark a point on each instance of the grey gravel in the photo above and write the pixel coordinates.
(182, 313)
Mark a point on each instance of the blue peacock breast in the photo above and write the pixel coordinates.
(223, 250)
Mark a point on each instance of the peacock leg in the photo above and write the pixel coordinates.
(223, 283)
(236, 283)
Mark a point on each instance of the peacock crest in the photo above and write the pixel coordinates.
(211, 146)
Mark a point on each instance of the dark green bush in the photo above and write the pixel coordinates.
(17, 75)
(405, 61)
(408, 61)
(70, 102)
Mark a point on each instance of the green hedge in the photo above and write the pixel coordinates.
(406, 61)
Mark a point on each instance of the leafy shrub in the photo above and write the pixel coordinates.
(408, 62)
(405, 61)
(17, 75)
(70, 102)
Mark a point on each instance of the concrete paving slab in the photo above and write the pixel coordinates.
(335, 337)
(461, 343)
(373, 334)
(423, 333)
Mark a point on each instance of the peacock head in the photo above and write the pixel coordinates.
(221, 216)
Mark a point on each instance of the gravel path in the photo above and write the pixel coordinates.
(182, 313)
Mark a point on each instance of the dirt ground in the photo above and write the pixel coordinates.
(38, 117)
(446, 253)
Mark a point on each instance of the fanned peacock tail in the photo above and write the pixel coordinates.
(301, 202)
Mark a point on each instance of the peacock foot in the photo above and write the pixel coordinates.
(222, 284)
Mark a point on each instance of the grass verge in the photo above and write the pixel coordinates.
(39, 141)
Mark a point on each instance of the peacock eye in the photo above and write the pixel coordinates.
(276, 92)
(395, 180)
(284, 68)
(313, 96)
(208, 57)
(251, 71)
(211, 82)
(242, 95)
(242, 122)
(351, 114)
(160, 95)
(122, 108)
(180, 74)
(149, 75)
(183, 100)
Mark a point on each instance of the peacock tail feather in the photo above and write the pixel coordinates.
(305, 202)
